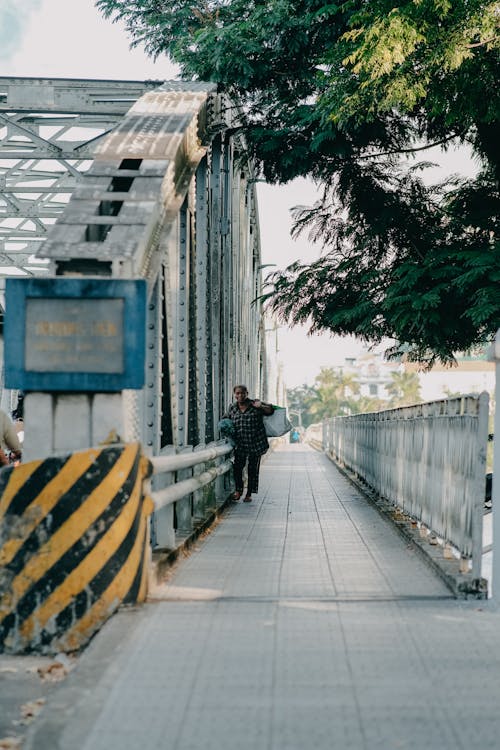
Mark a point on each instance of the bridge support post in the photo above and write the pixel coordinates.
(494, 356)
(58, 422)
(163, 536)
(184, 507)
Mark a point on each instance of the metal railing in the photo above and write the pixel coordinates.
(186, 488)
(428, 460)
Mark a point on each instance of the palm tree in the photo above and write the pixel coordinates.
(334, 394)
(366, 404)
(404, 388)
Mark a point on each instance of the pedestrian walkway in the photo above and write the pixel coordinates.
(304, 620)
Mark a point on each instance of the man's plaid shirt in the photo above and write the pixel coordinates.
(249, 427)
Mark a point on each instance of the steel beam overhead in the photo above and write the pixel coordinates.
(49, 131)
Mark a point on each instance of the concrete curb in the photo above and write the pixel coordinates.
(162, 560)
(462, 585)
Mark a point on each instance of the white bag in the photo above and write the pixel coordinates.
(277, 423)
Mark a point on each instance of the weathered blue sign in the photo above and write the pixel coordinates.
(69, 334)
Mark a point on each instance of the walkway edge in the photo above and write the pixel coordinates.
(462, 585)
(162, 560)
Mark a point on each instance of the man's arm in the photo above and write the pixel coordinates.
(266, 409)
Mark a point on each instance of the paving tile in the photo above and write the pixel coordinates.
(303, 620)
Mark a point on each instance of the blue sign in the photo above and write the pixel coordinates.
(74, 334)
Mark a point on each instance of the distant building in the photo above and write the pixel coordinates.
(472, 374)
(372, 372)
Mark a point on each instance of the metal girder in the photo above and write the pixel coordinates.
(49, 131)
(165, 198)
(70, 95)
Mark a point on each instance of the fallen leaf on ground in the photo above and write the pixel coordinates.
(54, 672)
(32, 709)
(10, 743)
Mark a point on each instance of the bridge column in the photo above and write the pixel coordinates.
(200, 304)
(61, 422)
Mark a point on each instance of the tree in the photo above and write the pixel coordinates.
(333, 394)
(299, 401)
(404, 389)
(347, 93)
(365, 404)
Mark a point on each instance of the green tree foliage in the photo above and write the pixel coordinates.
(367, 404)
(404, 389)
(299, 402)
(351, 93)
(336, 387)
(333, 393)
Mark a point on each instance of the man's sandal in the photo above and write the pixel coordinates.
(247, 499)
(235, 496)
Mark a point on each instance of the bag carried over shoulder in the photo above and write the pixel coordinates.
(277, 423)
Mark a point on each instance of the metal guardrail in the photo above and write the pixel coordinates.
(186, 490)
(314, 436)
(167, 464)
(428, 460)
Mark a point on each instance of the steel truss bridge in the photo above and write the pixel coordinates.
(151, 180)
(140, 179)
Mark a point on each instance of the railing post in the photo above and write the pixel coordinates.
(219, 485)
(199, 504)
(478, 502)
(163, 532)
(184, 507)
(494, 356)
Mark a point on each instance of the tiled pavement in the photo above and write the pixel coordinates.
(302, 621)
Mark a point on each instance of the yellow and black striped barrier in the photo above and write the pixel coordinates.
(73, 546)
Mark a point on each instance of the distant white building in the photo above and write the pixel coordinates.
(372, 372)
(469, 375)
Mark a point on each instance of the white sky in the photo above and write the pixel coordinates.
(70, 39)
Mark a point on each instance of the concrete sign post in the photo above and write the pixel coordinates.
(74, 345)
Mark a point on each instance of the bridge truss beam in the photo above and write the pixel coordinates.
(49, 130)
(168, 197)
